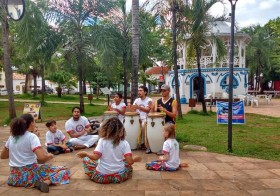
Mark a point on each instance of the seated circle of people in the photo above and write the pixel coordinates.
(24, 151)
(118, 106)
(78, 128)
(167, 105)
(143, 106)
(113, 154)
(55, 140)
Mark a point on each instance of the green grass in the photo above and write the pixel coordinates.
(259, 137)
(54, 97)
(51, 110)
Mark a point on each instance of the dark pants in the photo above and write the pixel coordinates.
(52, 148)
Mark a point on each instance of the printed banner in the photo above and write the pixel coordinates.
(238, 113)
(33, 109)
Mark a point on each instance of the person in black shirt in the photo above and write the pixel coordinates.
(167, 104)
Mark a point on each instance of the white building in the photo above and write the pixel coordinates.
(215, 74)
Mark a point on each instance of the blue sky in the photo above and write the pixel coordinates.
(248, 12)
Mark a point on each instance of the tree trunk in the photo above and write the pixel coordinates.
(7, 64)
(84, 87)
(35, 90)
(80, 70)
(26, 83)
(201, 85)
(43, 90)
(135, 49)
(174, 49)
(59, 91)
(125, 77)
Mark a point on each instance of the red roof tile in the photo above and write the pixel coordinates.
(17, 76)
(157, 70)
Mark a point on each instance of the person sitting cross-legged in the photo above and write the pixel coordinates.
(55, 140)
(78, 128)
(111, 161)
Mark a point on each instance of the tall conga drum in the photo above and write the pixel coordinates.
(155, 123)
(132, 128)
(109, 114)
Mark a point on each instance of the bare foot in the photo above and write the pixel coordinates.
(184, 165)
(78, 147)
(137, 158)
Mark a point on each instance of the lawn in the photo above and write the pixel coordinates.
(53, 97)
(51, 110)
(259, 137)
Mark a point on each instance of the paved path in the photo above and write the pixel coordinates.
(207, 174)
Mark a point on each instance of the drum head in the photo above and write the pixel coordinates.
(110, 112)
(131, 114)
(156, 114)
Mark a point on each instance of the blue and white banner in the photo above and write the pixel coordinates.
(238, 113)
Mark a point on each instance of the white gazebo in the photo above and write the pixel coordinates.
(215, 74)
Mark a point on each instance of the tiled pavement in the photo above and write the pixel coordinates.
(207, 174)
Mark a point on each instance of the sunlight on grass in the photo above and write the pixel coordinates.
(258, 137)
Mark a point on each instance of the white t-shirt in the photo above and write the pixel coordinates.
(54, 138)
(142, 103)
(172, 147)
(21, 150)
(120, 107)
(111, 160)
(77, 126)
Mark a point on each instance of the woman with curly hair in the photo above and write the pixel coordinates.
(113, 154)
(24, 151)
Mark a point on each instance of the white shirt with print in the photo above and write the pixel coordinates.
(120, 107)
(142, 103)
(77, 126)
(111, 160)
(54, 138)
(172, 147)
(21, 149)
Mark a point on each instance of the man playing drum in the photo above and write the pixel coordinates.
(143, 105)
(167, 105)
(78, 128)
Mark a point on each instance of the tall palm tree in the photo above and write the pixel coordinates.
(7, 62)
(73, 17)
(198, 25)
(163, 10)
(38, 44)
(135, 48)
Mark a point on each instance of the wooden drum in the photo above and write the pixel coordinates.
(155, 123)
(109, 114)
(132, 128)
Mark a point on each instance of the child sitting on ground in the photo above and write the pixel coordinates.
(113, 154)
(170, 160)
(55, 140)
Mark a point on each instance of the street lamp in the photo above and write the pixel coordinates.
(231, 60)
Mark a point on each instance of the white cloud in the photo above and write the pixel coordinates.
(250, 12)
(265, 5)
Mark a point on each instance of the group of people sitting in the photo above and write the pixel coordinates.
(111, 160)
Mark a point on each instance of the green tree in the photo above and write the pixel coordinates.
(73, 17)
(258, 54)
(197, 25)
(62, 78)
